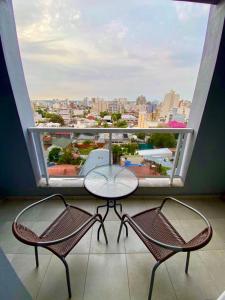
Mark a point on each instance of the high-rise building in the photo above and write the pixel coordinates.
(65, 113)
(86, 102)
(171, 100)
(141, 100)
(151, 107)
(98, 105)
(184, 109)
(142, 119)
(115, 106)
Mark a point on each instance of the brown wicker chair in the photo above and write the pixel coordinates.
(161, 238)
(61, 235)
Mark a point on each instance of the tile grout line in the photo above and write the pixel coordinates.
(85, 281)
(171, 282)
(127, 276)
(41, 283)
(124, 235)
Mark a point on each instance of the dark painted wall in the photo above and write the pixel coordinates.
(206, 173)
(16, 174)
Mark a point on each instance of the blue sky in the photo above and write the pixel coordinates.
(77, 48)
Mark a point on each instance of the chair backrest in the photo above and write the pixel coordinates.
(96, 158)
(158, 229)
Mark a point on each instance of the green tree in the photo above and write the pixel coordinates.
(87, 142)
(163, 140)
(54, 154)
(103, 113)
(54, 118)
(121, 124)
(131, 148)
(117, 152)
(41, 112)
(99, 122)
(66, 157)
(141, 135)
(116, 117)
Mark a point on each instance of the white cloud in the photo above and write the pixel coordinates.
(116, 29)
(72, 50)
(55, 18)
(187, 11)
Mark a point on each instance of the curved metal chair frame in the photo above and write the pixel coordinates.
(161, 238)
(62, 234)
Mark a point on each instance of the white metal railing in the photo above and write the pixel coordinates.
(183, 142)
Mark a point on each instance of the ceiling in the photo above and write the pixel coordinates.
(202, 1)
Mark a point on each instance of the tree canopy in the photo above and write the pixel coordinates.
(42, 112)
(163, 140)
(116, 117)
(141, 135)
(54, 154)
(54, 118)
(121, 124)
(103, 113)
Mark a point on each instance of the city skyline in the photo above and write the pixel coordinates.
(72, 49)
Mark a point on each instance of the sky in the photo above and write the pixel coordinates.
(120, 48)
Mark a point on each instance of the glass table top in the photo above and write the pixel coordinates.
(111, 181)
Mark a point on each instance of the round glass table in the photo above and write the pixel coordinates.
(111, 182)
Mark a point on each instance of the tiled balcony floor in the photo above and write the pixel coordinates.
(119, 271)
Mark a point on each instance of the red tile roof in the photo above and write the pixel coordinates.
(63, 170)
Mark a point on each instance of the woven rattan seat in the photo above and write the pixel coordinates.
(66, 223)
(160, 236)
(155, 224)
(62, 235)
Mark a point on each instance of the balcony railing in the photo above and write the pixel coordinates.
(183, 141)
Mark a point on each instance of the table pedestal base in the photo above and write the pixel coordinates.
(111, 204)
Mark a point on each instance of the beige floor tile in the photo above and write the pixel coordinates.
(107, 277)
(214, 262)
(133, 206)
(24, 265)
(10, 208)
(10, 257)
(197, 285)
(193, 227)
(139, 273)
(132, 243)
(112, 228)
(211, 208)
(218, 225)
(8, 242)
(54, 284)
(83, 246)
(87, 204)
(105, 272)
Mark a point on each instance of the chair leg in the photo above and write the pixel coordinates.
(103, 228)
(126, 229)
(121, 226)
(187, 262)
(67, 276)
(36, 256)
(152, 279)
